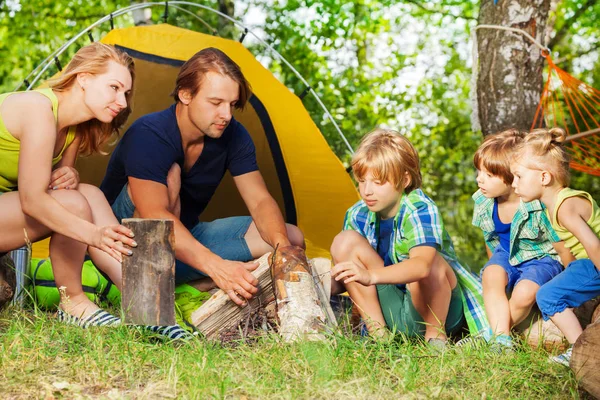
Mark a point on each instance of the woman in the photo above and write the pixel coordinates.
(41, 133)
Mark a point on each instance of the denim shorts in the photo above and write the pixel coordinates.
(578, 283)
(224, 237)
(539, 270)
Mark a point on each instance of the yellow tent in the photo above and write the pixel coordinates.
(304, 176)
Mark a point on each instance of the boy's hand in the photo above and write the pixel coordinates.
(351, 272)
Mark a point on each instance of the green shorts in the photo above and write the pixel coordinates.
(401, 316)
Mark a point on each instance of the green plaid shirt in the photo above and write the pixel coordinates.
(418, 222)
(531, 234)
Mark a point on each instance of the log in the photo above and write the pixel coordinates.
(544, 334)
(148, 295)
(585, 361)
(585, 311)
(7, 279)
(302, 309)
(220, 314)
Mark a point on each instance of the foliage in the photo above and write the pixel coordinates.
(401, 64)
(42, 358)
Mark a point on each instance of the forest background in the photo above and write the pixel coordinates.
(399, 64)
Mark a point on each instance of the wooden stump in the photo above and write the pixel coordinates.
(544, 334)
(220, 314)
(148, 296)
(302, 308)
(7, 279)
(585, 361)
(585, 311)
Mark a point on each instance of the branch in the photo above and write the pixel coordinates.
(567, 23)
(438, 11)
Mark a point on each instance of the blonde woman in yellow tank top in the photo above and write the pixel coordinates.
(41, 134)
(541, 171)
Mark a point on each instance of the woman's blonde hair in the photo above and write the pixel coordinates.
(544, 149)
(496, 151)
(389, 157)
(93, 59)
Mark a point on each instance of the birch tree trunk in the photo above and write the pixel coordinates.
(509, 81)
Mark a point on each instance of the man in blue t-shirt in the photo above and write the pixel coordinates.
(169, 164)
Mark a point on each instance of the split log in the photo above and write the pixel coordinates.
(302, 309)
(7, 279)
(148, 295)
(585, 311)
(585, 361)
(220, 314)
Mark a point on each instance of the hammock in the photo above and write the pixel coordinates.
(568, 103)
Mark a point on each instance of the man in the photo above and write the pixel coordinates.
(169, 164)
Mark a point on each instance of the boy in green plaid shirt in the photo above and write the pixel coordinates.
(518, 236)
(394, 256)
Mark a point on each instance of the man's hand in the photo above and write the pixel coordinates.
(235, 279)
(351, 272)
(64, 178)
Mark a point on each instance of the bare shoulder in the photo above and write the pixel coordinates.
(574, 207)
(22, 110)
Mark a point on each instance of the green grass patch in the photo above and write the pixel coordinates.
(41, 358)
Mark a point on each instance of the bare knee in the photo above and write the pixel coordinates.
(523, 296)
(344, 244)
(75, 202)
(295, 235)
(91, 192)
(494, 277)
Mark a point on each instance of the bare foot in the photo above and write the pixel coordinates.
(78, 306)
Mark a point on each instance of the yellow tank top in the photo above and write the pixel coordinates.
(571, 242)
(10, 146)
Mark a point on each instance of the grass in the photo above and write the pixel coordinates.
(41, 358)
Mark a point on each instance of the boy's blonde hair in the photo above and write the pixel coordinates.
(93, 59)
(544, 149)
(496, 151)
(389, 157)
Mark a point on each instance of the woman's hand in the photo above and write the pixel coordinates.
(351, 272)
(64, 178)
(110, 239)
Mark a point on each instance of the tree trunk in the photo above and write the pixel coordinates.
(585, 361)
(148, 296)
(510, 81)
(302, 308)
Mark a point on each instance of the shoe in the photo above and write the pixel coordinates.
(472, 342)
(98, 318)
(437, 345)
(564, 358)
(170, 332)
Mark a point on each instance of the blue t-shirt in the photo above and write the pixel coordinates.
(153, 144)
(383, 244)
(502, 229)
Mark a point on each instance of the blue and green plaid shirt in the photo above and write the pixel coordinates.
(418, 222)
(531, 233)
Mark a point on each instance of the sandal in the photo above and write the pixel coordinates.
(98, 318)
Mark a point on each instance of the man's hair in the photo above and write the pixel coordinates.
(194, 70)
(496, 151)
(389, 157)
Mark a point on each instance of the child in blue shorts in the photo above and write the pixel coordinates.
(541, 170)
(518, 237)
(394, 256)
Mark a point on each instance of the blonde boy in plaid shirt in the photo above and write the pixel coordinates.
(394, 256)
(518, 236)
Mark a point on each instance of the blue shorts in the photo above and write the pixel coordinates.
(578, 283)
(224, 237)
(539, 270)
